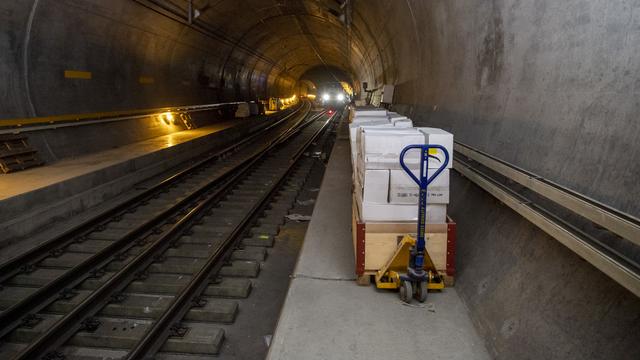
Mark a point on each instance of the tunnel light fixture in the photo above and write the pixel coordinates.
(325, 97)
(167, 118)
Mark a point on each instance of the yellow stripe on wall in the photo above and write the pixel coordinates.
(146, 80)
(75, 74)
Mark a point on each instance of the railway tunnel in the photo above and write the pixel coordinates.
(111, 106)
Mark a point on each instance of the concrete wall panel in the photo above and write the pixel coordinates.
(551, 87)
(137, 59)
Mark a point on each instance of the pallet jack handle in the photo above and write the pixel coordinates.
(423, 181)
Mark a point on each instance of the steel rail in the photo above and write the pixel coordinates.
(12, 266)
(616, 221)
(619, 268)
(155, 337)
(72, 321)
(11, 317)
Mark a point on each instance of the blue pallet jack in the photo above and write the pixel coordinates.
(411, 269)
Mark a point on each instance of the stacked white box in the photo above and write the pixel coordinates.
(435, 136)
(436, 213)
(375, 185)
(403, 190)
(402, 123)
(383, 191)
(369, 111)
(366, 119)
(380, 148)
(355, 127)
(356, 113)
(395, 116)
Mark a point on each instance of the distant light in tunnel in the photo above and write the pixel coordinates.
(340, 97)
(325, 97)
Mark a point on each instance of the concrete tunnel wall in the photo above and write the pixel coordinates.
(137, 58)
(553, 88)
(549, 86)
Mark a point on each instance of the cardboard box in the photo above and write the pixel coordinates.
(354, 128)
(365, 111)
(369, 111)
(436, 213)
(365, 119)
(402, 123)
(381, 148)
(438, 137)
(403, 190)
(375, 186)
(394, 115)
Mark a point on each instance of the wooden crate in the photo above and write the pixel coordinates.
(374, 244)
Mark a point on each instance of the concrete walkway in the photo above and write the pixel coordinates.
(327, 316)
(18, 183)
(33, 199)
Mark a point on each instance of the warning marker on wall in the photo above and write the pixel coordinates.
(146, 80)
(75, 74)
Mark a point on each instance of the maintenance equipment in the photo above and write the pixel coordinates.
(411, 269)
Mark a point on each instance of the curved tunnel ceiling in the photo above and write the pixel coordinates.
(146, 53)
(291, 36)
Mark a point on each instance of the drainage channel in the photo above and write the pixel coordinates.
(172, 289)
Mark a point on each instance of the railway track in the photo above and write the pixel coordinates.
(159, 274)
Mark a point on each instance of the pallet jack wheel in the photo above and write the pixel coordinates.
(406, 291)
(422, 291)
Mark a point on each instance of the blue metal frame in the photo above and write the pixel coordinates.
(415, 271)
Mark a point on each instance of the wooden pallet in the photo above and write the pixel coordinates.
(16, 154)
(375, 243)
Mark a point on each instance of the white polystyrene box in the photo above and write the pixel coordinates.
(403, 190)
(435, 136)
